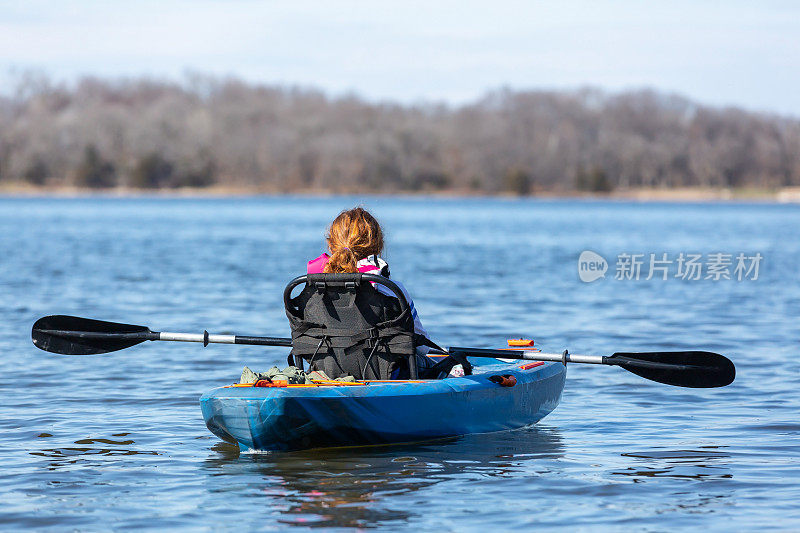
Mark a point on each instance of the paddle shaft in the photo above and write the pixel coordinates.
(206, 338)
(566, 357)
(530, 355)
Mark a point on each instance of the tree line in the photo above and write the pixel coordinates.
(152, 134)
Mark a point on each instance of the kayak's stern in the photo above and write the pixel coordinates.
(290, 418)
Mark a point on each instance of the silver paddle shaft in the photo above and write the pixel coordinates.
(564, 358)
(197, 337)
(206, 338)
(529, 355)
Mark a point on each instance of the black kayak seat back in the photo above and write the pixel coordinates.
(343, 326)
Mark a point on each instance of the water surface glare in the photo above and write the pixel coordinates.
(118, 440)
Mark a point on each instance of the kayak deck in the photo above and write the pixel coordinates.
(291, 417)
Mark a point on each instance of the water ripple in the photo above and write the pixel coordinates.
(117, 441)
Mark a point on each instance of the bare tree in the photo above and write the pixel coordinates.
(155, 134)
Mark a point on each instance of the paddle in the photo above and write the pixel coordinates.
(83, 336)
(72, 335)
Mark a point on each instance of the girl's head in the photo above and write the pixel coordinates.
(353, 235)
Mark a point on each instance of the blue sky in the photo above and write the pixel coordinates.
(721, 53)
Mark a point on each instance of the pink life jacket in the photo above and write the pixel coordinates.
(317, 266)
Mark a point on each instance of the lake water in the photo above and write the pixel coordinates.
(118, 440)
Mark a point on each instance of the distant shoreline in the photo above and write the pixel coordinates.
(680, 195)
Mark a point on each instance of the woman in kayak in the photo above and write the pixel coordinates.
(355, 242)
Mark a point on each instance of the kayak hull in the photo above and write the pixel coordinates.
(293, 418)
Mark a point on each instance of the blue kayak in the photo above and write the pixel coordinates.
(293, 417)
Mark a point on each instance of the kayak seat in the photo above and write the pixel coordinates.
(343, 326)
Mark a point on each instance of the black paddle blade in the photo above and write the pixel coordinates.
(72, 335)
(682, 369)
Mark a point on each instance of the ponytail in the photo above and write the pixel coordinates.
(343, 260)
(353, 235)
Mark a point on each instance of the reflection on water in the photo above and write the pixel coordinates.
(359, 487)
(68, 456)
(689, 464)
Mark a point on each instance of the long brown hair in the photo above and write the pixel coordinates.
(353, 235)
